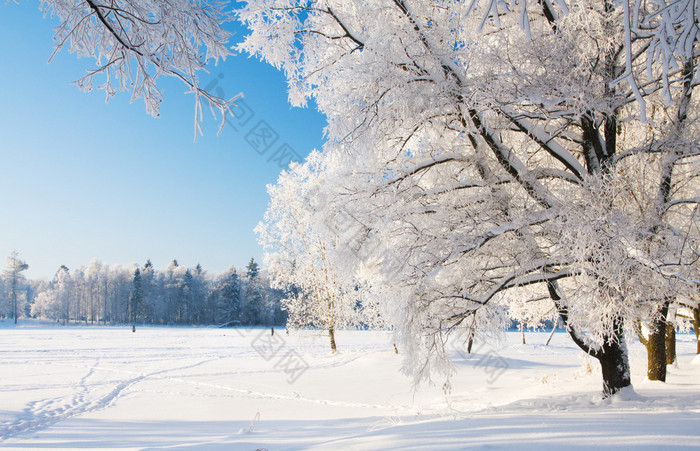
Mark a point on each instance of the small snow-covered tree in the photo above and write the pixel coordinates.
(301, 253)
(136, 298)
(95, 279)
(199, 288)
(150, 292)
(14, 281)
(63, 284)
(488, 146)
(252, 269)
(227, 296)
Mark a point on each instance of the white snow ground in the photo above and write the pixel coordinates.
(227, 389)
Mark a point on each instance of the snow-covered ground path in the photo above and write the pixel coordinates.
(203, 388)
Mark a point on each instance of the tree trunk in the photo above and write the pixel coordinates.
(670, 343)
(331, 334)
(613, 358)
(614, 363)
(656, 346)
(554, 329)
(696, 326)
(656, 352)
(14, 300)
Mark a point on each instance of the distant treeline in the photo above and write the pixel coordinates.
(176, 295)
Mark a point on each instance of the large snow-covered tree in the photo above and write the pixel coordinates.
(496, 145)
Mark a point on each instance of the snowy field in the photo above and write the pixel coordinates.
(205, 388)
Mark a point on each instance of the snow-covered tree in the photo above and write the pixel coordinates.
(488, 146)
(302, 255)
(14, 283)
(252, 269)
(136, 297)
(62, 293)
(253, 305)
(150, 290)
(134, 43)
(200, 288)
(95, 279)
(227, 297)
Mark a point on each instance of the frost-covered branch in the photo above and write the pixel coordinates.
(471, 144)
(134, 43)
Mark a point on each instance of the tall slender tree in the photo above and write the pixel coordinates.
(227, 295)
(136, 297)
(15, 281)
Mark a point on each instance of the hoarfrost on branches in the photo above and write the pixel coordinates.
(302, 255)
(134, 43)
(489, 150)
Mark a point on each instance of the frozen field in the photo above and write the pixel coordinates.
(203, 388)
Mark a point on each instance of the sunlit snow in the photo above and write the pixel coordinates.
(208, 388)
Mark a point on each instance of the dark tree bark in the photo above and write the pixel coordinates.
(614, 362)
(656, 346)
(670, 343)
(656, 353)
(331, 334)
(613, 357)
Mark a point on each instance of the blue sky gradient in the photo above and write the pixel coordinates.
(81, 179)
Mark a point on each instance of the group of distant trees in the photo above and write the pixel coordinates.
(176, 295)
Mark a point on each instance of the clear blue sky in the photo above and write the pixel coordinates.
(82, 179)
